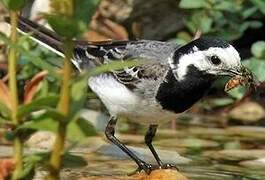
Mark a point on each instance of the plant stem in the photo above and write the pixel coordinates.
(64, 108)
(64, 103)
(12, 64)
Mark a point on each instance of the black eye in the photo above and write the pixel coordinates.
(215, 60)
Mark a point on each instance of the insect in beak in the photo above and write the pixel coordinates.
(243, 78)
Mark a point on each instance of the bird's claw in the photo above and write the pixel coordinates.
(148, 168)
(169, 166)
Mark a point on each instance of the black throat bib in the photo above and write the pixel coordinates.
(178, 96)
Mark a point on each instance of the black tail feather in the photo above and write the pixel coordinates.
(40, 33)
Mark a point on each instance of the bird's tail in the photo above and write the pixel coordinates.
(40, 34)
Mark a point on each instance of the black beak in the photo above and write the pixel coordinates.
(243, 76)
(241, 71)
(235, 73)
(244, 72)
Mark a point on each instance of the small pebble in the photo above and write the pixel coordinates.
(161, 174)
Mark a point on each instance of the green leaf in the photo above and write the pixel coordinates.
(191, 4)
(256, 66)
(34, 59)
(255, 24)
(4, 121)
(220, 102)
(230, 35)
(184, 36)
(85, 14)
(72, 26)
(78, 93)
(115, 65)
(79, 129)
(30, 164)
(258, 49)
(191, 26)
(225, 6)
(205, 24)
(249, 24)
(44, 91)
(14, 4)
(200, 21)
(42, 123)
(5, 111)
(42, 65)
(260, 4)
(73, 161)
(249, 12)
(65, 26)
(45, 121)
(36, 105)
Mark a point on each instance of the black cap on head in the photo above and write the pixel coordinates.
(202, 44)
(205, 43)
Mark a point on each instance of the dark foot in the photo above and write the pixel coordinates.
(148, 168)
(169, 166)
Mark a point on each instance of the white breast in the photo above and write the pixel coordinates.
(116, 97)
(120, 101)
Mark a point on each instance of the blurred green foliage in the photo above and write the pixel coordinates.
(221, 18)
(39, 80)
(44, 100)
(14, 4)
(71, 24)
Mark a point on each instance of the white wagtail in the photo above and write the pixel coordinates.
(173, 79)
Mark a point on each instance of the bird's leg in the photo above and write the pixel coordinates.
(150, 134)
(110, 131)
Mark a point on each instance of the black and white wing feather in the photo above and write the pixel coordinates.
(155, 53)
(91, 54)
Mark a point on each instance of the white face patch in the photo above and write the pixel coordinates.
(201, 59)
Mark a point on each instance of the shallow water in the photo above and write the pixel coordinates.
(232, 153)
(216, 154)
(103, 167)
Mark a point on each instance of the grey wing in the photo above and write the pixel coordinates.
(155, 53)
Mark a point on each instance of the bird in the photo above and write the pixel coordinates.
(171, 81)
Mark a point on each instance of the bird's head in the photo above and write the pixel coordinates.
(213, 57)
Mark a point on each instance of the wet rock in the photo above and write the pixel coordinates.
(247, 131)
(166, 156)
(247, 112)
(5, 28)
(206, 132)
(41, 140)
(254, 164)
(6, 151)
(3, 58)
(235, 154)
(98, 119)
(168, 133)
(91, 144)
(232, 145)
(163, 174)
